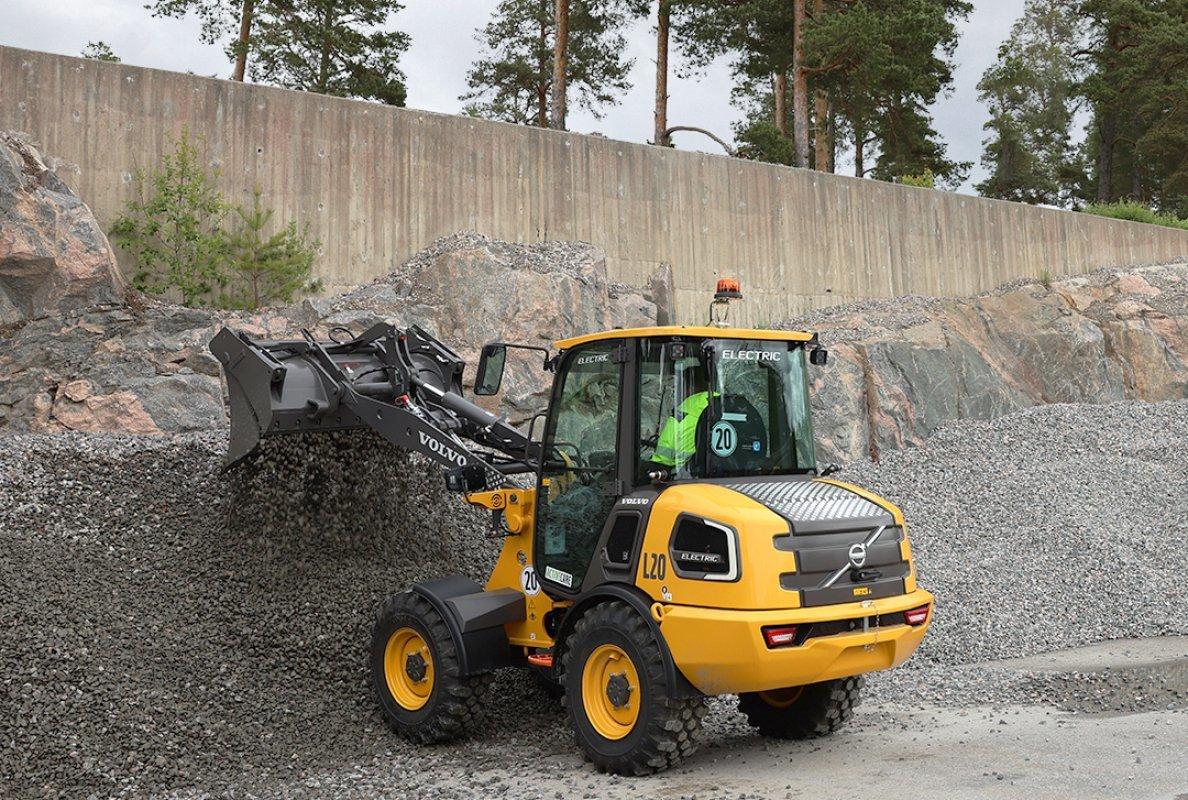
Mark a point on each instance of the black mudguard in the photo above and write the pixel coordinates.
(475, 619)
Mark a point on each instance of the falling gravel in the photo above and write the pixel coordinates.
(170, 629)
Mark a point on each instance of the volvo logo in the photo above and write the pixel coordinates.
(443, 450)
(857, 555)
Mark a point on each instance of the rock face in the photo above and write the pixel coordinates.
(901, 368)
(145, 367)
(53, 255)
(469, 290)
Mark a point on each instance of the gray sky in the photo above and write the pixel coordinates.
(443, 46)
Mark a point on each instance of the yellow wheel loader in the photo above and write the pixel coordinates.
(668, 536)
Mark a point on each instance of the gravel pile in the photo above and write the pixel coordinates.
(168, 626)
(1052, 527)
(568, 257)
(164, 623)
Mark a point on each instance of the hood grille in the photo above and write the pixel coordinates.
(825, 521)
(814, 507)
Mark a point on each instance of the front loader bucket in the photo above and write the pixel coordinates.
(274, 389)
(403, 384)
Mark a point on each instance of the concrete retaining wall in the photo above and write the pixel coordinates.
(375, 184)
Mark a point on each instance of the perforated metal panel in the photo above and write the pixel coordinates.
(810, 501)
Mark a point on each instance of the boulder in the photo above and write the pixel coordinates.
(54, 257)
(468, 290)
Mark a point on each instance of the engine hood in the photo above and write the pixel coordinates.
(817, 506)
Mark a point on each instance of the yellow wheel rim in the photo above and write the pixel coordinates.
(611, 691)
(782, 698)
(408, 668)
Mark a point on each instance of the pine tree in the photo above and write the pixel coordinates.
(1031, 95)
(513, 81)
(1137, 87)
(173, 227)
(758, 36)
(335, 47)
(870, 68)
(265, 267)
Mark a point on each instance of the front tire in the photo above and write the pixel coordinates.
(802, 712)
(416, 673)
(624, 715)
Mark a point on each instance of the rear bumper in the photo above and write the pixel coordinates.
(722, 651)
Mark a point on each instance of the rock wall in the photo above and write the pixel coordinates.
(901, 368)
(53, 254)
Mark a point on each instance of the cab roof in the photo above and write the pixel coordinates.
(692, 331)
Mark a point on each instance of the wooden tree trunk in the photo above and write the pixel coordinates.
(823, 135)
(560, 66)
(859, 154)
(542, 73)
(245, 32)
(324, 65)
(1105, 158)
(800, 113)
(660, 135)
(780, 92)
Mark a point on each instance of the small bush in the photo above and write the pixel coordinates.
(177, 231)
(173, 227)
(1136, 212)
(925, 180)
(266, 267)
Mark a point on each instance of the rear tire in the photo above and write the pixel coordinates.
(802, 712)
(416, 673)
(624, 716)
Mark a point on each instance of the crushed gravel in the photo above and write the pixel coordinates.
(1049, 528)
(171, 630)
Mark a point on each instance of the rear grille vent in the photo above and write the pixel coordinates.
(820, 558)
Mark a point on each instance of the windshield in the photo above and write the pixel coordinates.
(724, 408)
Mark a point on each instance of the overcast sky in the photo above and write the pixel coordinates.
(443, 46)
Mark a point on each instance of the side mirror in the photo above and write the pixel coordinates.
(490, 369)
(818, 356)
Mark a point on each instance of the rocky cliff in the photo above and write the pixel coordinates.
(53, 254)
(901, 368)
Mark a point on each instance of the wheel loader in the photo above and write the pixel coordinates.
(667, 533)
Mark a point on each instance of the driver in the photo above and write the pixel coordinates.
(677, 441)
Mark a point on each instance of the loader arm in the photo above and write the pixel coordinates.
(403, 384)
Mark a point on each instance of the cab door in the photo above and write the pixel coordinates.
(579, 476)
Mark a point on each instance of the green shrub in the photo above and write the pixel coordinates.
(264, 267)
(176, 230)
(925, 180)
(173, 228)
(1136, 212)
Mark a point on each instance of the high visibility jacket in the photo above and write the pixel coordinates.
(678, 437)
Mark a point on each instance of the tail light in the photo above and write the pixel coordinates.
(782, 636)
(916, 616)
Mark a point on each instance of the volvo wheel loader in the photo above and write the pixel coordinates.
(668, 536)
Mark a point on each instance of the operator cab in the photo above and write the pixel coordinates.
(634, 411)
